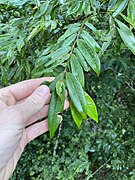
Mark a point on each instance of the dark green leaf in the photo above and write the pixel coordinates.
(77, 69)
(76, 92)
(81, 60)
(54, 108)
(53, 84)
(93, 62)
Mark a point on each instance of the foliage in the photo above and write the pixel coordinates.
(74, 40)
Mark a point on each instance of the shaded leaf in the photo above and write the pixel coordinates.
(53, 84)
(54, 108)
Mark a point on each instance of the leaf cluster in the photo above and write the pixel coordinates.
(61, 39)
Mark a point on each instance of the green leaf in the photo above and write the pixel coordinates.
(87, 9)
(58, 54)
(54, 108)
(91, 108)
(111, 4)
(69, 40)
(73, 8)
(90, 41)
(131, 11)
(126, 35)
(76, 92)
(34, 32)
(71, 30)
(77, 69)
(106, 44)
(20, 43)
(94, 62)
(53, 84)
(119, 7)
(77, 117)
(81, 60)
(61, 91)
(93, 28)
(128, 20)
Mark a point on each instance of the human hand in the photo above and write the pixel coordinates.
(21, 105)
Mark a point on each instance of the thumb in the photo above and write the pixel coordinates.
(34, 102)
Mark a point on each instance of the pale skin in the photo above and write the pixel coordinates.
(21, 104)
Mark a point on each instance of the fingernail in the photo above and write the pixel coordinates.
(43, 90)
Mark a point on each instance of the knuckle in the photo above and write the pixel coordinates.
(36, 102)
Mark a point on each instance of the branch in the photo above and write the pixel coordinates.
(100, 167)
(56, 143)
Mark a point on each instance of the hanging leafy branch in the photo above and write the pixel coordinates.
(58, 38)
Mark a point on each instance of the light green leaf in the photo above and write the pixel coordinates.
(111, 4)
(81, 60)
(34, 32)
(131, 11)
(69, 40)
(91, 108)
(61, 91)
(128, 20)
(54, 108)
(73, 8)
(76, 92)
(87, 9)
(77, 69)
(77, 117)
(126, 35)
(119, 7)
(94, 61)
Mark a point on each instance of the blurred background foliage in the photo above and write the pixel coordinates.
(95, 151)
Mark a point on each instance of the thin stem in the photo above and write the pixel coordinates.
(56, 143)
(100, 167)
(76, 39)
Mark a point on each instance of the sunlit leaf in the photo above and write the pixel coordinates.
(126, 35)
(77, 117)
(91, 108)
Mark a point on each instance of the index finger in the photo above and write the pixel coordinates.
(23, 89)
